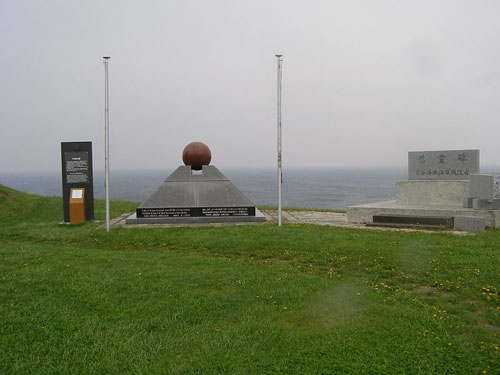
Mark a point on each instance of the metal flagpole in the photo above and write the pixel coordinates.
(280, 172)
(106, 138)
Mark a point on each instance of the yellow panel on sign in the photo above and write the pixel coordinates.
(77, 205)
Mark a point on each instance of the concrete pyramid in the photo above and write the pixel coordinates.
(189, 196)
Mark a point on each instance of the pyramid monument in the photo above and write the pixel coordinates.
(196, 193)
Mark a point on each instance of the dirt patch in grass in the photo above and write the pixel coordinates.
(424, 289)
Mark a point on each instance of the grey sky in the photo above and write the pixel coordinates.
(364, 82)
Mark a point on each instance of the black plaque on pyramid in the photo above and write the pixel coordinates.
(189, 196)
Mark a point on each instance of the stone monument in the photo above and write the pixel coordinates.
(196, 193)
(443, 187)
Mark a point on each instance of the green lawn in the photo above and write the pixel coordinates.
(300, 299)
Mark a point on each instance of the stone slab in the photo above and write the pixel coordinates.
(470, 223)
(485, 204)
(482, 186)
(451, 192)
(443, 165)
(364, 213)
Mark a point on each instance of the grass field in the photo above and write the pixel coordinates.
(300, 299)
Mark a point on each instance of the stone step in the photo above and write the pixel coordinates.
(411, 220)
(401, 225)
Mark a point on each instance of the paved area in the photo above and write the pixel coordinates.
(333, 219)
(336, 219)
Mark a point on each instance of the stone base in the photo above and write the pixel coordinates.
(469, 223)
(259, 217)
(364, 213)
(486, 204)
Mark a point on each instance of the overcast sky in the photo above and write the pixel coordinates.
(364, 82)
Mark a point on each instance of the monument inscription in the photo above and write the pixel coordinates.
(77, 167)
(443, 165)
(194, 212)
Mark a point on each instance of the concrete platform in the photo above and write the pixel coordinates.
(364, 213)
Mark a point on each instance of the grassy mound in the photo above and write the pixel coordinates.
(16, 205)
(13, 203)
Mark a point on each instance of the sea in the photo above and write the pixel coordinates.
(326, 188)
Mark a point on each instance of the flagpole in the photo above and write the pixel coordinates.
(106, 138)
(280, 172)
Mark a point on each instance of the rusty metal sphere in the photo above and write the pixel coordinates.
(196, 154)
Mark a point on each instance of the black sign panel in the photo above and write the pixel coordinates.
(195, 212)
(77, 172)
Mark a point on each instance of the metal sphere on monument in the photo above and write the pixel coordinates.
(196, 154)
